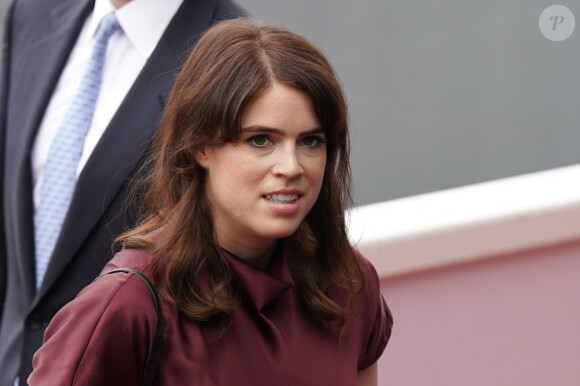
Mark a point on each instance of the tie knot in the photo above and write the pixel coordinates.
(108, 26)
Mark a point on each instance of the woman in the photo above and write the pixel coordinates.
(243, 235)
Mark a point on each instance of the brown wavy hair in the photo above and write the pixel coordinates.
(231, 63)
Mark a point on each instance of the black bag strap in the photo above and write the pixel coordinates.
(158, 339)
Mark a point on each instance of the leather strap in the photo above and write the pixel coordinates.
(158, 339)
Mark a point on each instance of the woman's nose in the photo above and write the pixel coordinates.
(288, 163)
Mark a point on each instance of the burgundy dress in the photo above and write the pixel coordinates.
(104, 336)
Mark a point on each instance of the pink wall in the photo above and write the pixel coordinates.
(512, 320)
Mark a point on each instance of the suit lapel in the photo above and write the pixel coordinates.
(128, 134)
(38, 68)
(35, 71)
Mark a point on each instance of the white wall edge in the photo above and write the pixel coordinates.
(469, 223)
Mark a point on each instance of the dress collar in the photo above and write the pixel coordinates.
(262, 286)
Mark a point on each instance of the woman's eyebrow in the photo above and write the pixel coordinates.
(261, 129)
(264, 129)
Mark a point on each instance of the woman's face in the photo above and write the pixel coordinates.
(262, 186)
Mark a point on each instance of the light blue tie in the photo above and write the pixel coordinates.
(65, 151)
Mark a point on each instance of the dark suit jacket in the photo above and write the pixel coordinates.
(39, 37)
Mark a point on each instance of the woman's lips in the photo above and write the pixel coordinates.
(283, 203)
(280, 198)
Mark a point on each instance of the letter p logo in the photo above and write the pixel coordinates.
(557, 20)
(557, 23)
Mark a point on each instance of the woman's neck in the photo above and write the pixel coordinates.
(119, 3)
(257, 257)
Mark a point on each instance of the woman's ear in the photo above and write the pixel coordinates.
(202, 158)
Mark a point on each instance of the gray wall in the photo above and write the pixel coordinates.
(444, 93)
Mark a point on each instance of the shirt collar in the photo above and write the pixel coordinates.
(142, 21)
(102, 8)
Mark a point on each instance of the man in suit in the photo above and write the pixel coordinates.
(42, 51)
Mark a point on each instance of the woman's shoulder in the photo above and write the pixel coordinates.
(115, 315)
(121, 291)
(375, 315)
(371, 276)
(138, 259)
(372, 291)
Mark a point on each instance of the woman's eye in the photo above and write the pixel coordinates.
(312, 141)
(259, 140)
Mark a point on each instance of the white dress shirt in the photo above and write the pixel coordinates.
(142, 25)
